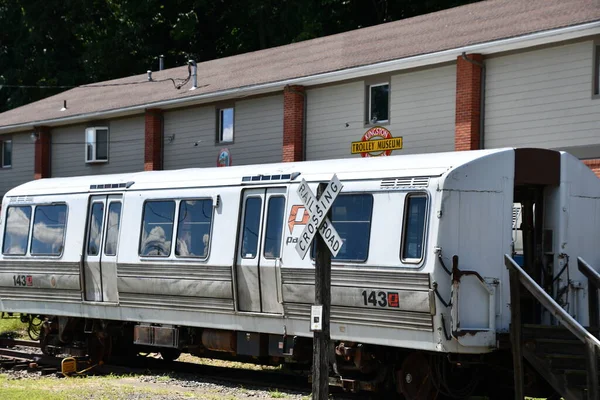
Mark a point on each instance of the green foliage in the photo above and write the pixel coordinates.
(74, 42)
(12, 327)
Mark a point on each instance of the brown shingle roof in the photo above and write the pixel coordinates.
(454, 28)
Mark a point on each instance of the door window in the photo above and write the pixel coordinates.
(251, 227)
(112, 228)
(414, 228)
(274, 229)
(95, 230)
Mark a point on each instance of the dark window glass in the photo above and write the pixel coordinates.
(157, 229)
(274, 229)
(251, 227)
(351, 217)
(7, 153)
(102, 144)
(414, 227)
(112, 228)
(49, 230)
(16, 234)
(379, 103)
(193, 232)
(95, 230)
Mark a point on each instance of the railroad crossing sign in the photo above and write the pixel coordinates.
(318, 221)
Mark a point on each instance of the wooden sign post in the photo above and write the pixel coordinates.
(328, 242)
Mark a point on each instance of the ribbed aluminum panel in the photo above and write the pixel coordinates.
(374, 317)
(353, 278)
(36, 266)
(44, 295)
(175, 271)
(175, 303)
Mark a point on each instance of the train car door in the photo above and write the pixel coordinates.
(100, 253)
(259, 250)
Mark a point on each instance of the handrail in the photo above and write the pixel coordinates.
(589, 272)
(550, 304)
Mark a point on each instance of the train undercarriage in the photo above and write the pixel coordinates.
(355, 367)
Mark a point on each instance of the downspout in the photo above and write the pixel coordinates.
(481, 100)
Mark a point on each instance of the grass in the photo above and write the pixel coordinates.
(12, 327)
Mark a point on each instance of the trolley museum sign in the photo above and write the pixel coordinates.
(376, 142)
(318, 221)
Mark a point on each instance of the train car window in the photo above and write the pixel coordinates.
(16, 234)
(274, 230)
(414, 228)
(157, 228)
(351, 217)
(194, 227)
(95, 229)
(49, 230)
(112, 228)
(251, 227)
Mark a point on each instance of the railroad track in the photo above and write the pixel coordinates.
(13, 356)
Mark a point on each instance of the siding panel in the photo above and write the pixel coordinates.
(542, 98)
(125, 153)
(258, 136)
(422, 111)
(23, 158)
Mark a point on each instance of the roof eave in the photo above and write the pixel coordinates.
(497, 46)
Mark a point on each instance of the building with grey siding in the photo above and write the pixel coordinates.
(491, 74)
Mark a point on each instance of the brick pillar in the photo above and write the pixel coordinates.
(293, 123)
(468, 103)
(42, 153)
(594, 165)
(153, 140)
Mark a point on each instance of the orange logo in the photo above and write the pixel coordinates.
(294, 213)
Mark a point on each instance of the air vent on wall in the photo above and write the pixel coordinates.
(402, 183)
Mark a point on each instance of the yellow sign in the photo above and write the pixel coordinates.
(376, 145)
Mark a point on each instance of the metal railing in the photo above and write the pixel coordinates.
(519, 277)
(593, 278)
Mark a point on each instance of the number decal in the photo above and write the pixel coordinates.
(381, 298)
(22, 280)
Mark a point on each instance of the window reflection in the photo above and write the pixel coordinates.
(112, 228)
(157, 229)
(251, 227)
(95, 235)
(274, 229)
(49, 230)
(16, 234)
(193, 232)
(414, 227)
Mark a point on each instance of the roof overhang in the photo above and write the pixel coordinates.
(421, 60)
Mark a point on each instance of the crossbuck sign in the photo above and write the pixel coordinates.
(318, 221)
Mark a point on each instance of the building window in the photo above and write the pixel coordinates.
(379, 103)
(415, 217)
(96, 144)
(225, 125)
(6, 153)
(597, 71)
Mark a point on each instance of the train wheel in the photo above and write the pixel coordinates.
(170, 354)
(414, 378)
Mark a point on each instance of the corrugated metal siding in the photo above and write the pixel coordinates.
(258, 135)
(422, 111)
(542, 98)
(125, 153)
(22, 162)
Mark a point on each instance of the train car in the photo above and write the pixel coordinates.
(204, 261)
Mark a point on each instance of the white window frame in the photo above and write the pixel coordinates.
(220, 110)
(369, 109)
(2, 164)
(93, 130)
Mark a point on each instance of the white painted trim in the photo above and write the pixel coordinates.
(497, 46)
